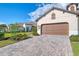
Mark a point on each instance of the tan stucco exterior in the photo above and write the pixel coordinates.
(61, 16)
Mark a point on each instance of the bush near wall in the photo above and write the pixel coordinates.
(74, 38)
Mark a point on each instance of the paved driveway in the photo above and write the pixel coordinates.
(45, 45)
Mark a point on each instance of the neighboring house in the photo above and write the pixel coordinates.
(15, 27)
(58, 21)
(28, 26)
(20, 27)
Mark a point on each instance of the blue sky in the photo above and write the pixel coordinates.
(16, 12)
(19, 12)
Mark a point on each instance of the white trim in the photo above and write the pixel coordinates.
(73, 33)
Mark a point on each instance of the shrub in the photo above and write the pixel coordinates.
(6, 38)
(1, 36)
(15, 37)
(19, 37)
(24, 37)
(34, 31)
(74, 38)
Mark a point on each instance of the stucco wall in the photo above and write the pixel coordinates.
(60, 17)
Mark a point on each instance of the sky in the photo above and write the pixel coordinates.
(19, 12)
(13, 13)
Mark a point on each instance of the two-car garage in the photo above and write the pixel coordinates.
(55, 28)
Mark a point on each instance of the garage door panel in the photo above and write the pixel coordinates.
(55, 29)
(55, 32)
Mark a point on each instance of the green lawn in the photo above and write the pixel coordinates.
(75, 44)
(16, 37)
(10, 41)
(75, 48)
(6, 42)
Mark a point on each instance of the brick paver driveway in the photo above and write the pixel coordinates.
(44, 45)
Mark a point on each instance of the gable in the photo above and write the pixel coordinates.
(60, 16)
(61, 10)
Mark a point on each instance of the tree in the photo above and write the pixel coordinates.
(16, 27)
(3, 27)
(13, 27)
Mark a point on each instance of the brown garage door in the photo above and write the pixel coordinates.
(55, 29)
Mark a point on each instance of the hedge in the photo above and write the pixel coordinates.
(74, 38)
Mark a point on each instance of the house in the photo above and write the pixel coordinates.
(28, 26)
(15, 27)
(59, 21)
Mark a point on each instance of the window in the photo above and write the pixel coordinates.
(53, 16)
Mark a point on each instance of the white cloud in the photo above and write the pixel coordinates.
(42, 9)
(64, 5)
